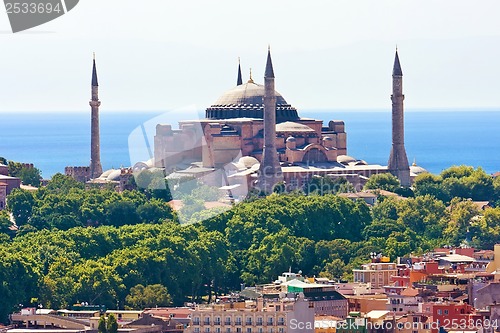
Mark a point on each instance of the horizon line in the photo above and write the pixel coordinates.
(319, 110)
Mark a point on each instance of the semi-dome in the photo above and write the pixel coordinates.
(290, 126)
(417, 170)
(248, 161)
(246, 101)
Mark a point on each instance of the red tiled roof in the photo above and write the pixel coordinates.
(409, 292)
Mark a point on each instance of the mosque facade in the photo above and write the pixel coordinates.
(251, 137)
(233, 136)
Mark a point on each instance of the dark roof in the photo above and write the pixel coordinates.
(396, 71)
(246, 100)
(319, 295)
(269, 66)
(94, 75)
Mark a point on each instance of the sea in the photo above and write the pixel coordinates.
(434, 139)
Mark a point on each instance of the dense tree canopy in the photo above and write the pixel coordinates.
(103, 247)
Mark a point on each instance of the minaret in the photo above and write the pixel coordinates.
(398, 162)
(270, 170)
(239, 81)
(95, 150)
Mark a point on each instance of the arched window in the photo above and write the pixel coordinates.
(314, 155)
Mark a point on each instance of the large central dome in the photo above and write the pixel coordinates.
(246, 101)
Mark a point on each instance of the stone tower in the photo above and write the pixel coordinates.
(95, 149)
(270, 170)
(398, 162)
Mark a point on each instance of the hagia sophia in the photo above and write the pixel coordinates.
(251, 137)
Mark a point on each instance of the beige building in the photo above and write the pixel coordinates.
(262, 316)
(378, 274)
(233, 128)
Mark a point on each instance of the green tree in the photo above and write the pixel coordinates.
(425, 215)
(489, 226)
(154, 211)
(383, 181)
(30, 176)
(20, 203)
(5, 222)
(60, 183)
(467, 182)
(101, 327)
(333, 270)
(462, 214)
(121, 212)
(141, 297)
(111, 324)
(429, 184)
(14, 168)
(327, 185)
(382, 228)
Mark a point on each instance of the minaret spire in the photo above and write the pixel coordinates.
(398, 161)
(270, 170)
(240, 80)
(95, 150)
(94, 73)
(269, 65)
(396, 71)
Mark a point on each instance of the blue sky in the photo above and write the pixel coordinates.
(162, 55)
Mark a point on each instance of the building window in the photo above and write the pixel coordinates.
(196, 330)
(439, 312)
(281, 330)
(228, 330)
(281, 321)
(249, 320)
(217, 330)
(227, 321)
(207, 330)
(206, 321)
(259, 320)
(196, 321)
(217, 321)
(445, 312)
(270, 320)
(249, 330)
(238, 329)
(238, 321)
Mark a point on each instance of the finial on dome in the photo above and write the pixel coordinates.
(251, 79)
(414, 162)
